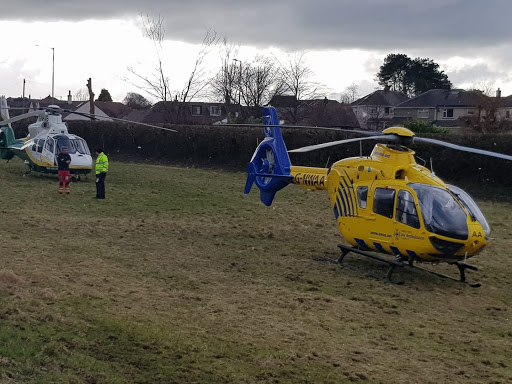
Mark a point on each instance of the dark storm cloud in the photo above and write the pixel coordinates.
(300, 24)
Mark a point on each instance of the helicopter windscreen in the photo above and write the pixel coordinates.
(74, 145)
(471, 207)
(442, 214)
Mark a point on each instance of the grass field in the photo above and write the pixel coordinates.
(177, 277)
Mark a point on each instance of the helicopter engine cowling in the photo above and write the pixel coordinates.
(270, 164)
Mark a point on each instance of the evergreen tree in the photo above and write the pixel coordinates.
(412, 77)
(104, 95)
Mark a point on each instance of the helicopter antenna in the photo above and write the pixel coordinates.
(432, 169)
(327, 162)
(360, 149)
(423, 160)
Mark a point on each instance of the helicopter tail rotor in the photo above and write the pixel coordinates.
(269, 167)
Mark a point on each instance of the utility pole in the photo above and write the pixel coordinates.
(91, 96)
(53, 72)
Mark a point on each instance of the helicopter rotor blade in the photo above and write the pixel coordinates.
(91, 116)
(461, 148)
(383, 137)
(364, 133)
(21, 117)
(28, 143)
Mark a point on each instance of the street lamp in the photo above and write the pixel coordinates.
(53, 69)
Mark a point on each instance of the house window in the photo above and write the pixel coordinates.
(448, 113)
(507, 115)
(196, 110)
(471, 111)
(388, 110)
(214, 110)
(422, 113)
(372, 110)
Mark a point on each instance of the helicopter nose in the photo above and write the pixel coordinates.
(476, 241)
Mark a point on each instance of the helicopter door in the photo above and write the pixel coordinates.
(48, 151)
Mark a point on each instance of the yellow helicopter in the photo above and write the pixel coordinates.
(45, 139)
(384, 203)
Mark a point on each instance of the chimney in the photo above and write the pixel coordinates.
(498, 93)
(70, 98)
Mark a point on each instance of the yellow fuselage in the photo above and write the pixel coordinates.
(368, 196)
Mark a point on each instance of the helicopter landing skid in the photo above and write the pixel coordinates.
(393, 264)
(462, 270)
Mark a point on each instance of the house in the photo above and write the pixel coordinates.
(376, 110)
(329, 113)
(316, 112)
(174, 112)
(443, 107)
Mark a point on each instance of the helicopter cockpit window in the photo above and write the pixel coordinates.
(442, 214)
(362, 196)
(471, 206)
(406, 209)
(74, 145)
(384, 201)
(81, 146)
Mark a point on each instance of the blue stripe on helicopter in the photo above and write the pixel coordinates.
(346, 189)
(335, 210)
(340, 196)
(337, 204)
(379, 247)
(395, 250)
(413, 255)
(341, 190)
(361, 243)
(352, 194)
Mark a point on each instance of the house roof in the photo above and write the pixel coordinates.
(506, 102)
(283, 101)
(113, 108)
(330, 113)
(445, 98)
(381, 97)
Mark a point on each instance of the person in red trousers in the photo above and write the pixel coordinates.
(63, 161)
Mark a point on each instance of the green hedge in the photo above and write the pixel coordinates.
(232, 147)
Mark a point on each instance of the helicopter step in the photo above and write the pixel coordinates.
(399, 263)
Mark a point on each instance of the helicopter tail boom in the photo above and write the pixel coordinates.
(270, 164)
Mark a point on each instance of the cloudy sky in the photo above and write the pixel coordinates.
(345, 40)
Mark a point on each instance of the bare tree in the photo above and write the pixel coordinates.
(350, 94)
(224, 85)
(81, 95)
(296, 79)
(158, 83)
(136, 101)
(259, 81)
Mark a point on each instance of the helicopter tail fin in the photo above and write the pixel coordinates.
(6, 133)
(269, 167)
